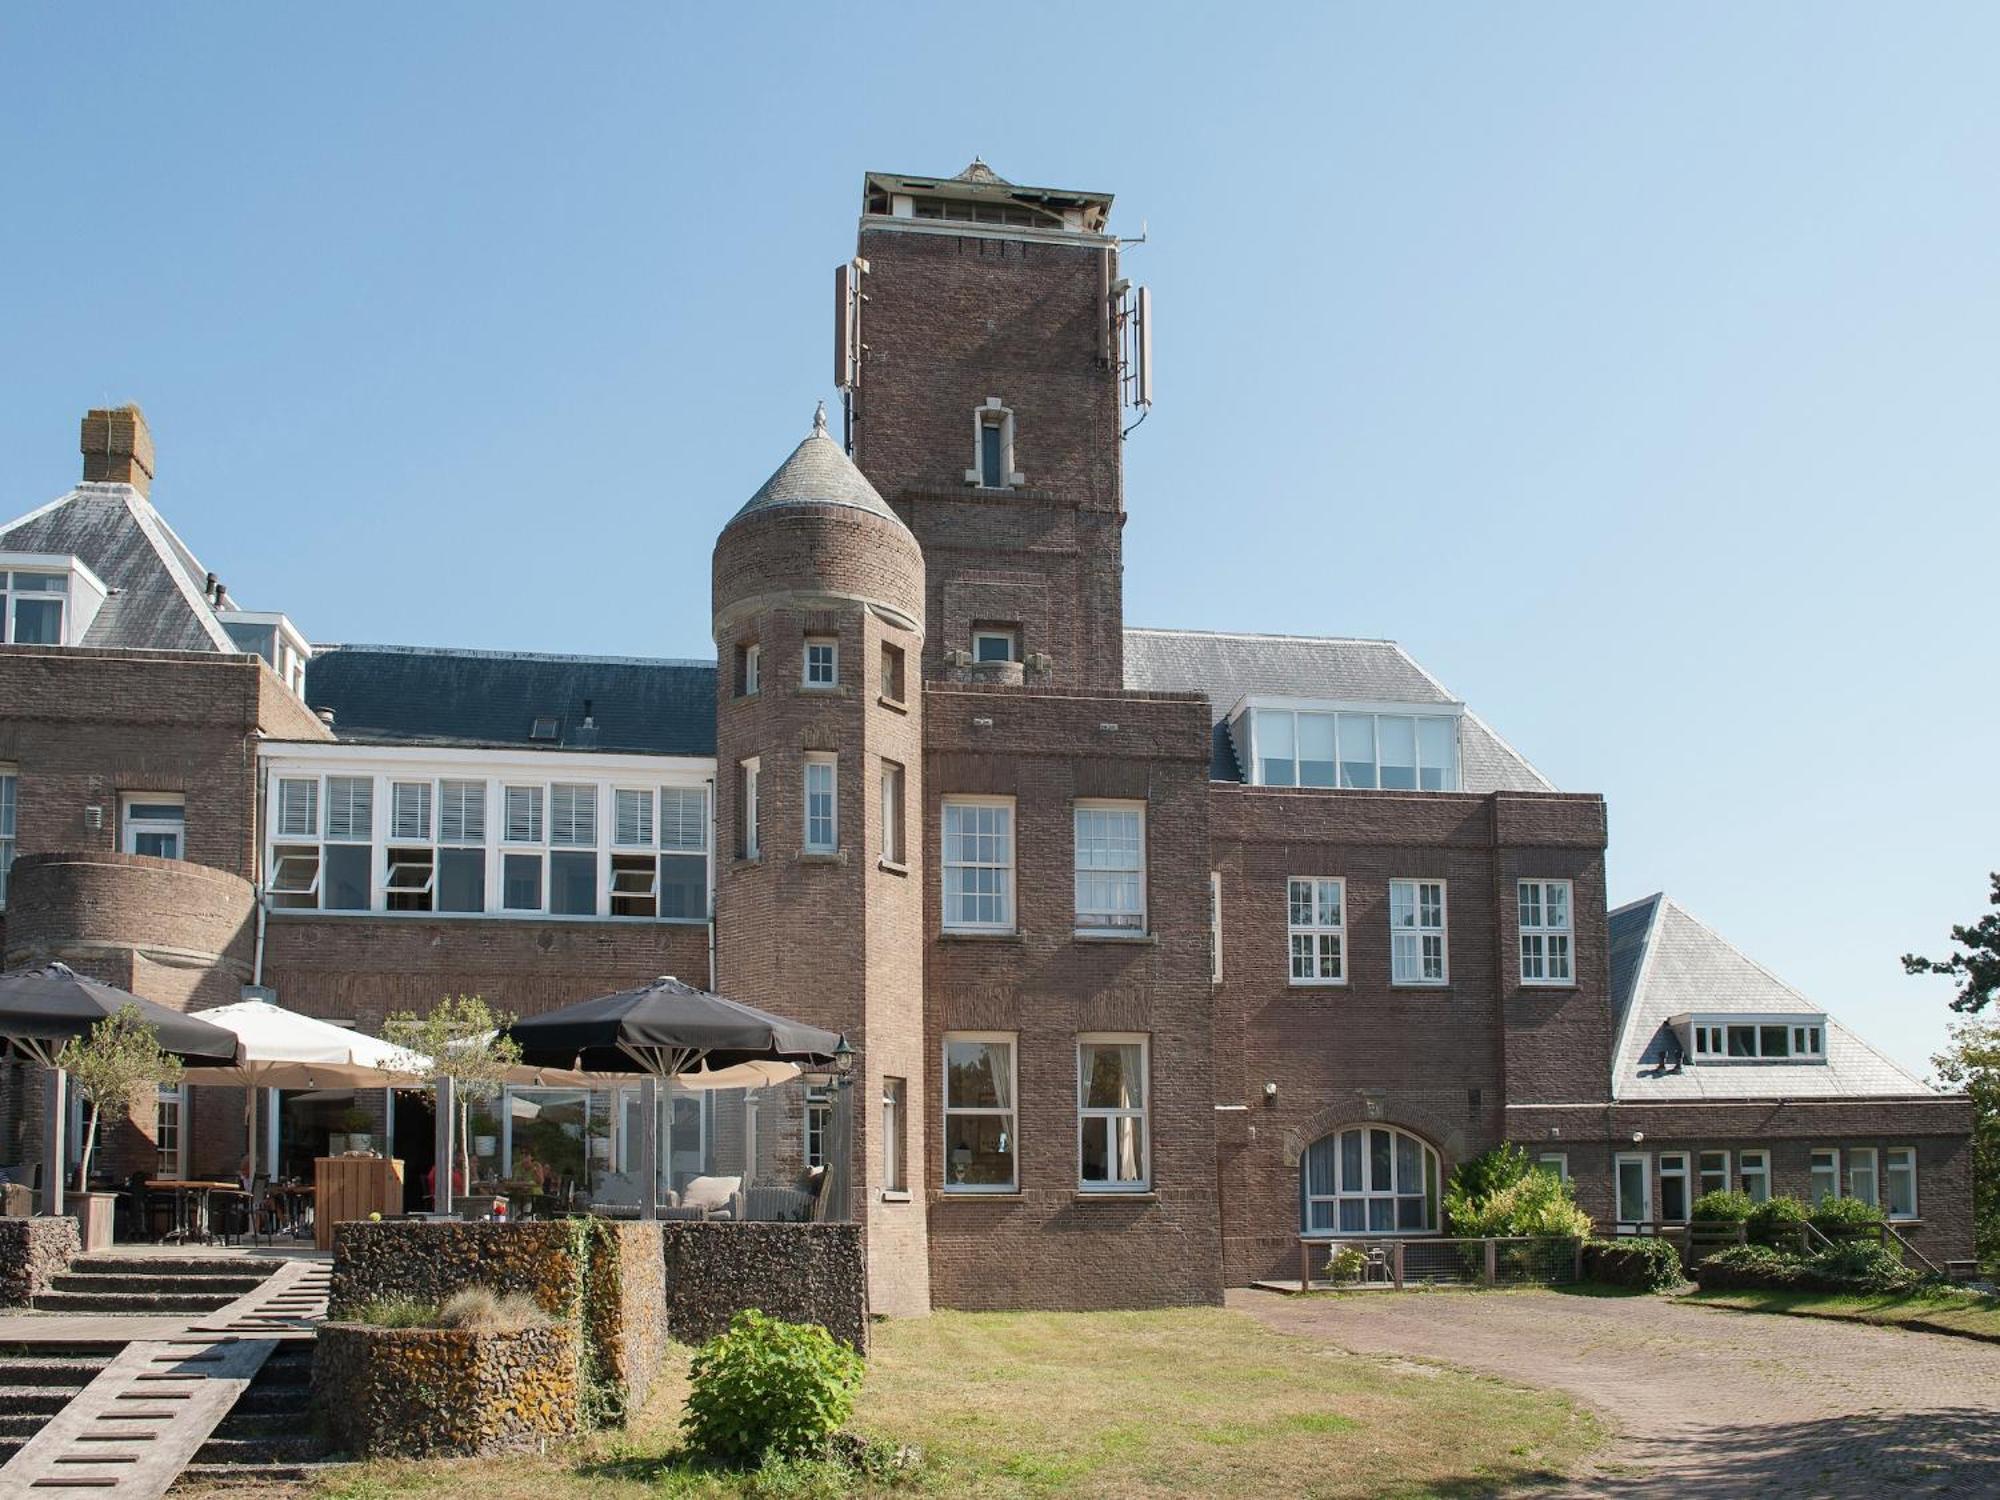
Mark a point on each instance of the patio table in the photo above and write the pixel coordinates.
(191, 1205)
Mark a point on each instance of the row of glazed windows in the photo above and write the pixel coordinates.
(1885, 1178)
(981, 1119)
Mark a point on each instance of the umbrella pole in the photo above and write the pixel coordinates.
(447, 1118)
(649, 1153)
(52, 1168)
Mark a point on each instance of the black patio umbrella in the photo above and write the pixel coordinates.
(662, 1029)
(42, 1008)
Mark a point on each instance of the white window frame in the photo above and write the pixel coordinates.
(894, 851)
(1012, 1113)
(1618, 1164)
(1702, 1172)
(1215, 927)
(992, 414)
(1315, 933)
(1545, 945)
(819, 1119)
(1675, 1165)
(1103, 1116)
(1009, 638)
(753, 668)
(171, 1099)
(131, 827)
(750, 771)
(1263, 715)
(1004, 894)
(10, 794)
(1864, 1165)
(1399, 936)
(895, 1117)
(1557, 1159)
(1430, 1169)
(1832, 1154)
(1761, 1173)
(10, 595)
(1081, 810)
(1891, 1166)
(820, 763)
(1708, 1037)
(812, 683)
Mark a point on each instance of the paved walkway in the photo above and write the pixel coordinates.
(1703, 1402)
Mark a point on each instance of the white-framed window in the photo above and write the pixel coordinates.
(1372, 1179)
(348, 852)
(892, 672)
(822, 662)
(819, 1119)
(520, 868)
(1899, 1181)
(1823, 1174)
(1316, 928)
(1632, 1173)
(1556, 1162)
(1363, 749)
(1111, 1084)
(892, 812)
(573, 849)
(995, 643)
(978, 864)
(1110, 867)
(461, 860)
(746, 803)
(893, 1116)
(1215, 927)
(1417, 932)
(749, 669)
(32, 606)
(993, 447)
(822, 804)
(979, 1094)
(153, 823)
(169, 1140)
(1545, 932)
(1861, 1179)
(1758, 1038)
(9, 793)
(1712, 1169)
(1753, 1174)
(684, 825)
(412, 865)
(1673, 1187)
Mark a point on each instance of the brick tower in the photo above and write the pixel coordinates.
(983, 384)
(819, 602)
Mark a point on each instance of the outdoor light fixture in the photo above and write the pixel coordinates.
(1638, 1136)
(843, 1057)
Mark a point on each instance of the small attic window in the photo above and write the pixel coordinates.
(1776, 1038)
(993, 448)
(544, 728)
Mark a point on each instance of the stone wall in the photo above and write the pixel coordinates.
(445, 1392)
(803, 1273)
(600, 1279)
(32, 1253)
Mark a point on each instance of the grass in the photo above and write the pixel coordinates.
(1931, 1311)
(1008, 1406)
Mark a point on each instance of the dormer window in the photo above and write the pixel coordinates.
(47, 598)
(1363, 747)
(1738, 1039)
(993, 448)
(35, 603)
(544, 728)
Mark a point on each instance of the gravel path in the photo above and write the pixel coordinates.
(1704, 1402)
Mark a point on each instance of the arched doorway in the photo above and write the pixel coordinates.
(1369, 1179)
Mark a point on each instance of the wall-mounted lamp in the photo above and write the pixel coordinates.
(1638, 1136)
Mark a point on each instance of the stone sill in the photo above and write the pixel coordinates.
(1147, 1196)
(946, 1195)
(896, 1195)
(747, 862)
(982, 937)
(1132, 939)
(809, 857)
(894, 705)
(1422, 989)
(838, 690)
(892, 867)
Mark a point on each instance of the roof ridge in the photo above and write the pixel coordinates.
(485, 654)
(1265, 635)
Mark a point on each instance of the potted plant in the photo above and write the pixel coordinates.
(358, 1128)
(118, 1065)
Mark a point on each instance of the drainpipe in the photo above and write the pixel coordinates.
(257, 867)
(712, 832)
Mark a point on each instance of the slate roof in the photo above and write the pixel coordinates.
(424, 695)
(1665, 963)
(1228, 667)
(157, 601)
(819, 472)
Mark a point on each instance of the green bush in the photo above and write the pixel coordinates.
(1743, 1267)
(1838, 1217)
(1500, 1193)
(1861, 1266)
(769, 1387)
(1722, 1207)
(398, 1312)
(1853, 1267)
(1776, 1221)
(1346, 1264)
(1633, 1260)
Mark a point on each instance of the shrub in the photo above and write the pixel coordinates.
(1346, 1264)
(1853, 1267)
(1838, 1217)
(1478, 1178)
(1742, 1267)
(477, 1307)
(1722, 1207)
(1862, 1267)
(1776, 1221)
(1634, 1260)
(1500, 1193)
(769, 1387)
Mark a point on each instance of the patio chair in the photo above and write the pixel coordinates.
(708, 1198)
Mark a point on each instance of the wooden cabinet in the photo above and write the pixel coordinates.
(353, 1187)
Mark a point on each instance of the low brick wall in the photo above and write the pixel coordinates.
(803, 1273)
(601, 1279)
(444, 1392)
(32, 1253)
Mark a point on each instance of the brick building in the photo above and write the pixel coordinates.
(1157, 948)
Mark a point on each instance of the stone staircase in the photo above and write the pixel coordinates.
(268, 1436)
(37, 1381)
(152, 1284)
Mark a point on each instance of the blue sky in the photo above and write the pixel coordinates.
(1633, 365)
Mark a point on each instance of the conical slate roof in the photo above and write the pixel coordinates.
(818, 473)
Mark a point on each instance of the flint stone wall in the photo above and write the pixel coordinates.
(33, 1252)
(445, 1392)
(803, 1273)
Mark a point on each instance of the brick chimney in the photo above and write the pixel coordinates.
(118, 447)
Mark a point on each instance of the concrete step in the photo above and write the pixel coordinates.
(240, 1452)
(206, 1476)
(23, 1400)
(131, 1302)
(47, 1370)
(21, 1425)
(231, 1286)
(174, 1265)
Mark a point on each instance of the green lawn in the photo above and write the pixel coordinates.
(1199, 1402)
(1959, 1312)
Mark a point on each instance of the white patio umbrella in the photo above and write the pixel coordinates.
(281, 1049)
